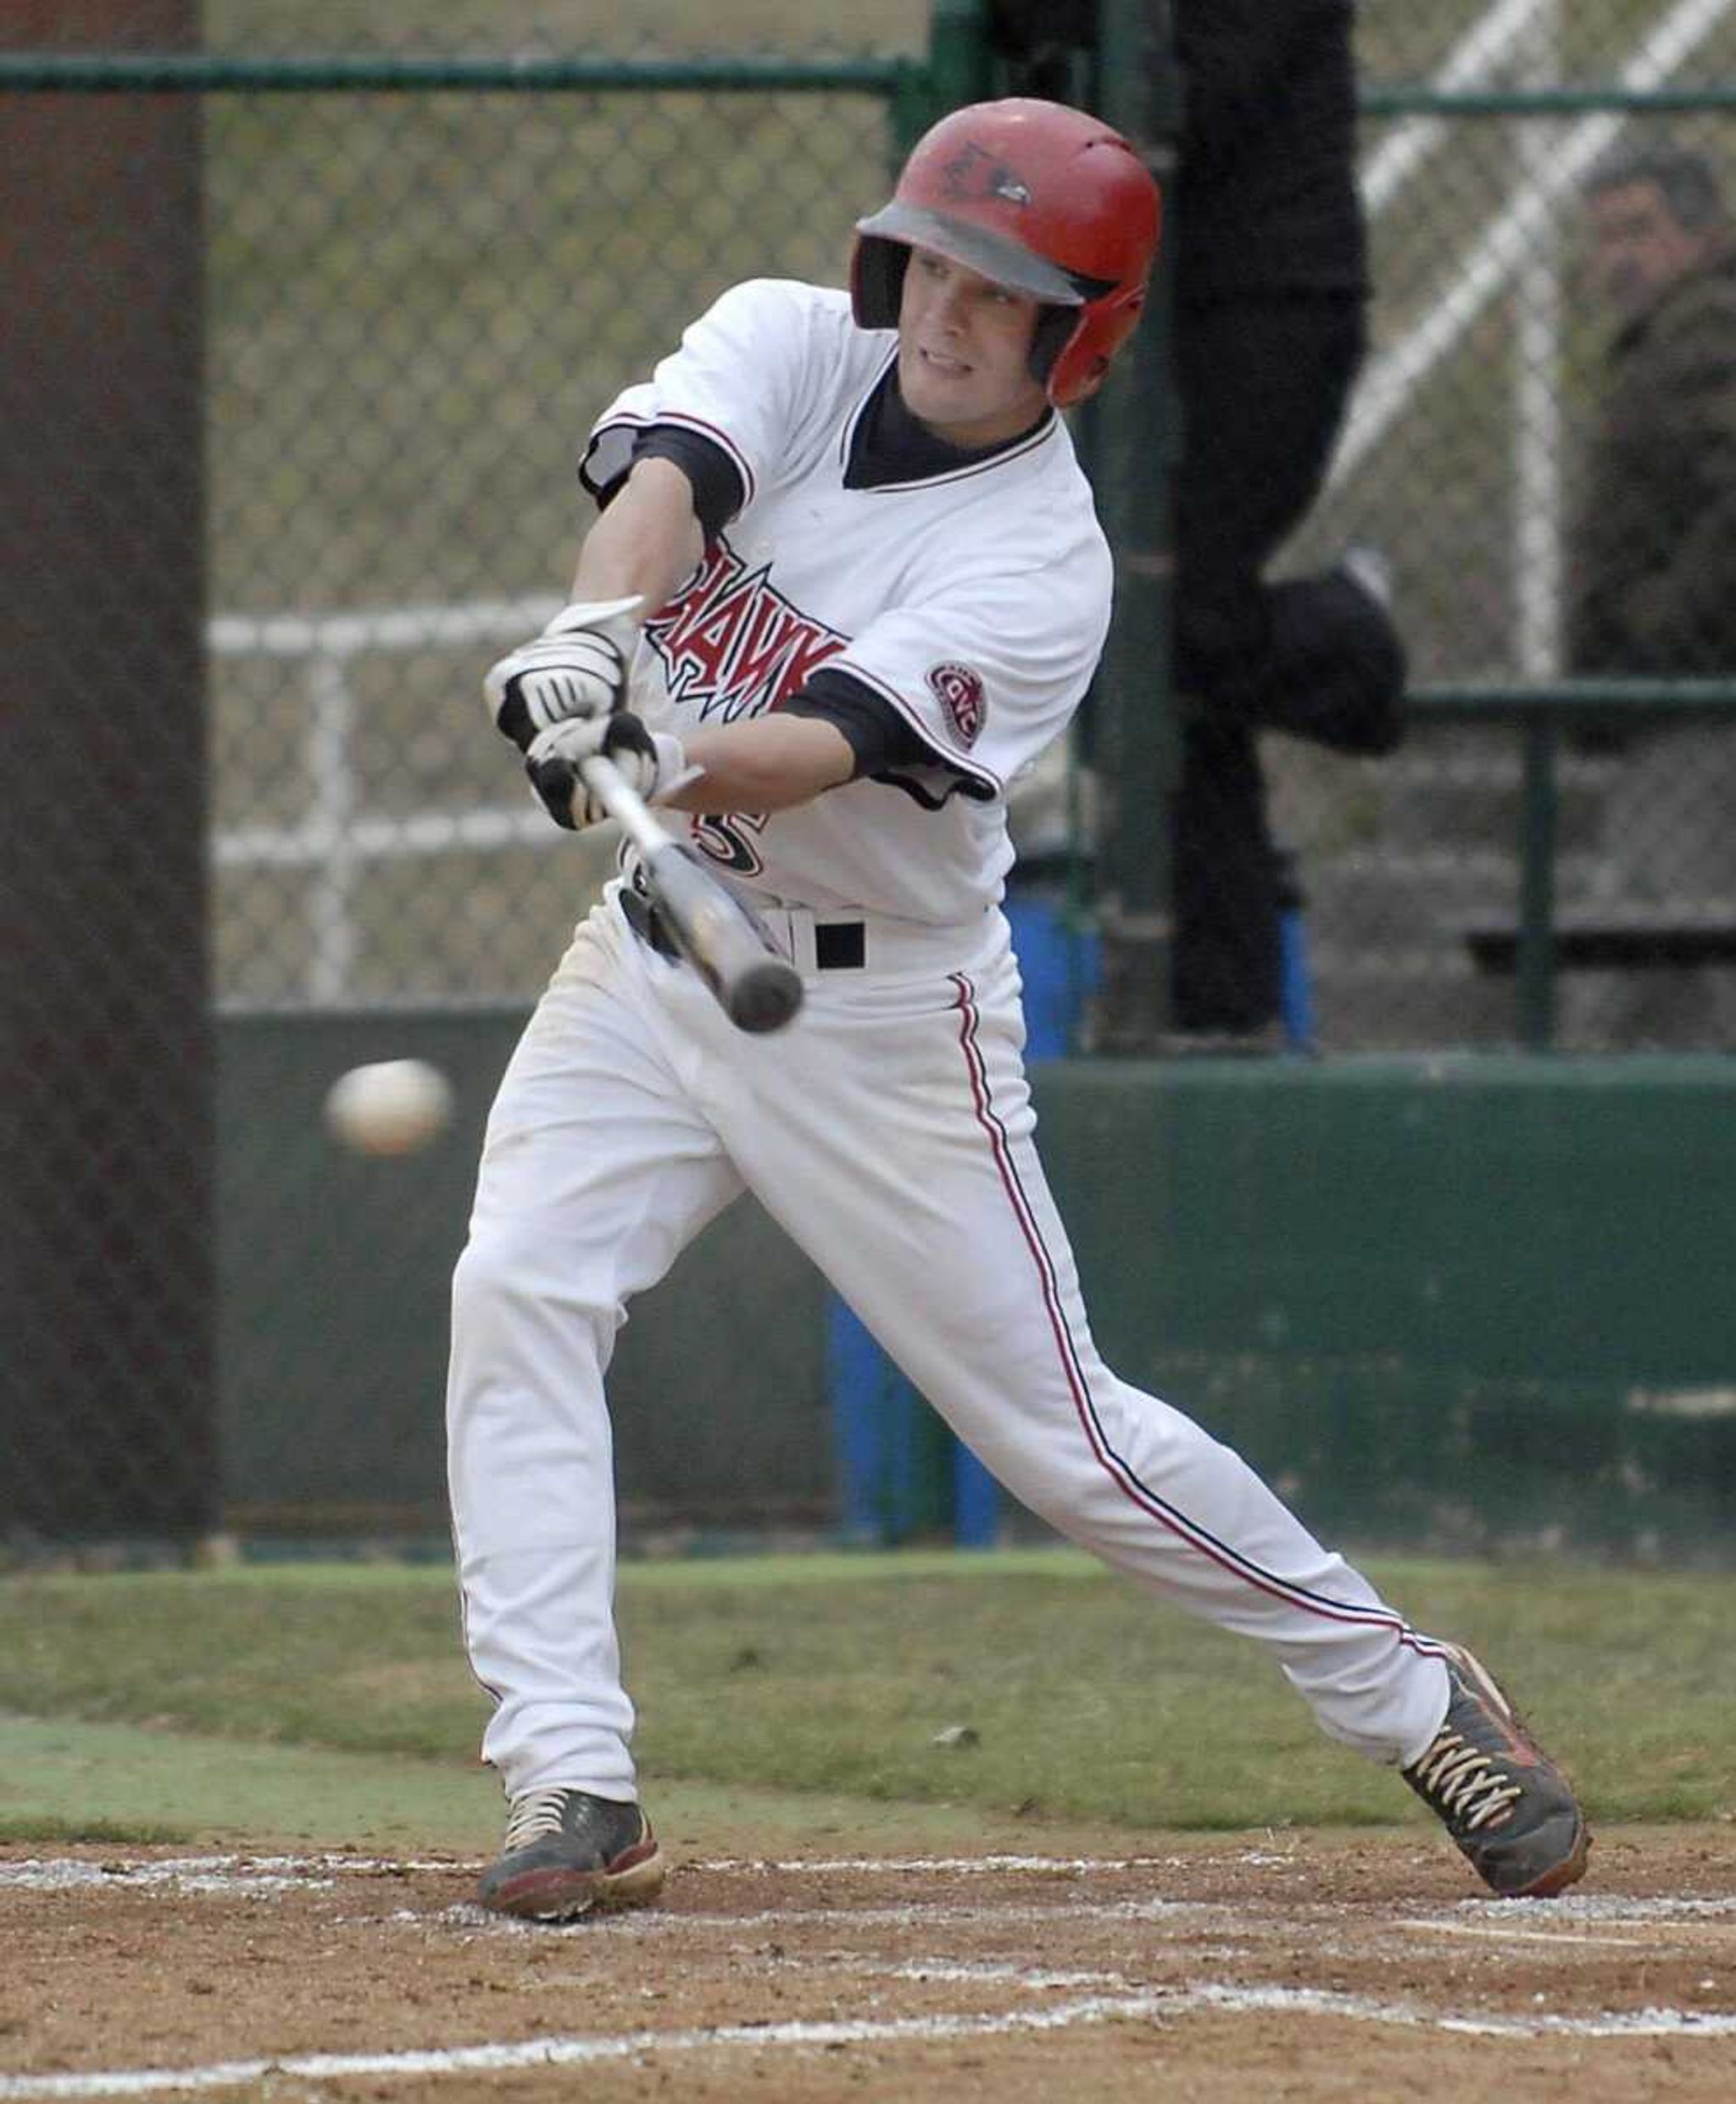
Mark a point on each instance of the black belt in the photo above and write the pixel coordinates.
(838, 945)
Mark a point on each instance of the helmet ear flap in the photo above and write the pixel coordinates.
(877, 282)
(1085, 355)
(1054, 332)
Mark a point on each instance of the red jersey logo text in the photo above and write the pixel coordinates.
(731, 646)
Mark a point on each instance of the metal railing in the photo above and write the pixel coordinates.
(1643, 90)
(332, 840)
(916, 89)
(1538, 715)
(1512, 249)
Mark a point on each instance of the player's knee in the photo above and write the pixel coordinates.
(507, 1266)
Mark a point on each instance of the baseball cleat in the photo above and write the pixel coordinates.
(566, 1852)
(1508, 1807)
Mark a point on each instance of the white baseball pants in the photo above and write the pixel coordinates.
(889, 1132)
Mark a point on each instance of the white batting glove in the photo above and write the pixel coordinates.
(576, 669)
(650, 761)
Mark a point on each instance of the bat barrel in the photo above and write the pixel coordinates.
(765, 996)
(758, 990)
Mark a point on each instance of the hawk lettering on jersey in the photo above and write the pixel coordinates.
(734, 647)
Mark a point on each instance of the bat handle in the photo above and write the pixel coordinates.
(623, 804)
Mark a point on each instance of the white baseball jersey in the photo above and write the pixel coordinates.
(976, 602)
(890, 1129)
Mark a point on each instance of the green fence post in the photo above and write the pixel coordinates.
(1134, 438)
(956, 72)
(1535, 963)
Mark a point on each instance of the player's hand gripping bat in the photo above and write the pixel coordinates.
(757, 989)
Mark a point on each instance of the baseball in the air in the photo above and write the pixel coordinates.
(393, 1107)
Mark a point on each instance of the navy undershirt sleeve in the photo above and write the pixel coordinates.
(718, 494)
(876, 734)
(716, 481)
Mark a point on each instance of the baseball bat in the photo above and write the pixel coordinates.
(757, 989)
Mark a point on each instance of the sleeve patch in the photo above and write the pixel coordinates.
(958, 690)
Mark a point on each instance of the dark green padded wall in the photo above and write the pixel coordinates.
(1452, 1301)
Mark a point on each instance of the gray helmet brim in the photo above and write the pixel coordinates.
(994, 256)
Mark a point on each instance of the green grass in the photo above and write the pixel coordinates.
(62, 1780)
(836, 1675)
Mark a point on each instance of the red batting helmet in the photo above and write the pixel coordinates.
(1036, 197)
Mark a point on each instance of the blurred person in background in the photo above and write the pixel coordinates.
(1270, 291)
(1653, 564)
(1270, 325)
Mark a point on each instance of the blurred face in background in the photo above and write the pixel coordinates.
(1639, 245)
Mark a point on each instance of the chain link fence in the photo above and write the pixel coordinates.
(410, 333)
(414, 302)
(1544, 469)
(358, 325)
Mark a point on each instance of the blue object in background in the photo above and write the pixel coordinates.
(874, 1418)
(1295, 980)
(886, 1464)
(1295, 983)
(1060, 966)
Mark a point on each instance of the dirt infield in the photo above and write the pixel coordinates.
(1297, 1967)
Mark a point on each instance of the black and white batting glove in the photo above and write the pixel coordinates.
(576, 670)
(650, 761)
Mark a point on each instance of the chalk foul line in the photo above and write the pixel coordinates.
(575, 2052)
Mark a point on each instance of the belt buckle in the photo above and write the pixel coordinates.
(786, 927)
(813, 945)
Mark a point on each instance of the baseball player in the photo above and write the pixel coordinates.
(847, 581)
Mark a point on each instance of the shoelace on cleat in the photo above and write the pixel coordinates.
(1467, 1783)
(534, 1816)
